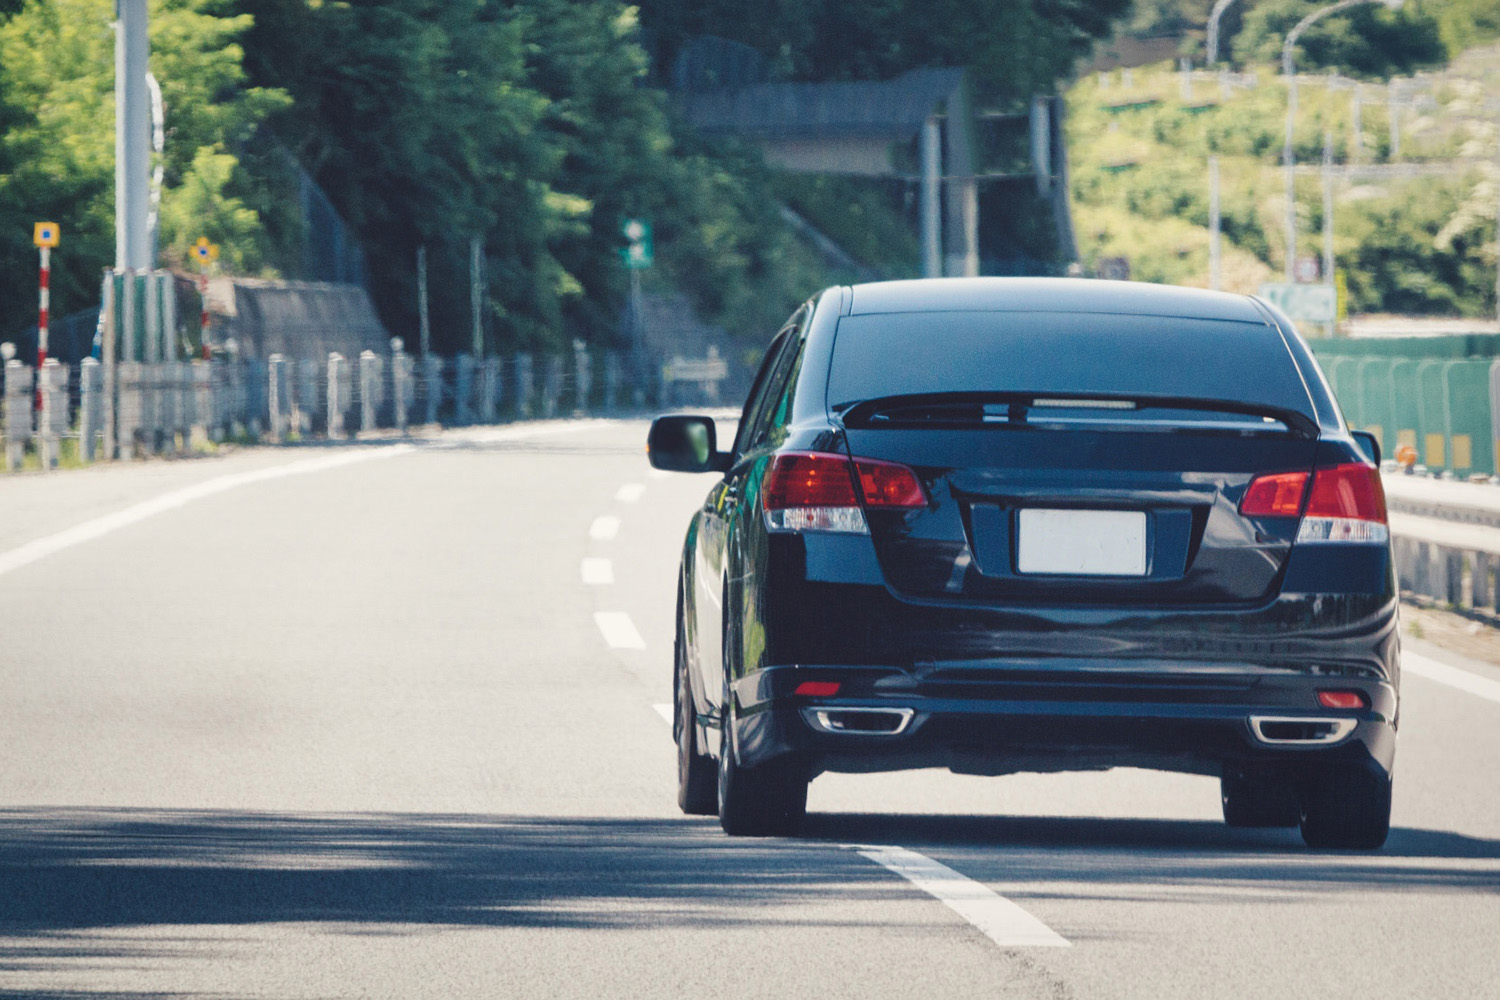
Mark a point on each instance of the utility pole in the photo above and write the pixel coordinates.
(932, 261)
(132, 138)
(425, 326)
(1328, 216)
(476, 293)
(1214, 266)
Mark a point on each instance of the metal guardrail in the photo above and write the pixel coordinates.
(1445, 537)
(178, 406)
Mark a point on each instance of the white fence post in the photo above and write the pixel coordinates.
(18, 408)
(90, 410)
(336, 395)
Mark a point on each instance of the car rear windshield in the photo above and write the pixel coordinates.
(1066, 355)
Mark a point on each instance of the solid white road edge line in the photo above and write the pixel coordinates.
(630, 492)
(98, 527)
(134, 514)
(994, 916)
(619, 631)
(1454, 677)
(665, 711)
(604, 528)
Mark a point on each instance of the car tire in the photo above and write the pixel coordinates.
(1258, 800)
(765, 801)
(697, 791)
(1347, 807)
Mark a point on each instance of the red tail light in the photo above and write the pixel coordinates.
(816, 491)
(1278, 495)
(1346, 503)
(886, 484)
(1348, 491)
(809, 479)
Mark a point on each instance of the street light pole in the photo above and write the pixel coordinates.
(1220, 6)
(1288, 158)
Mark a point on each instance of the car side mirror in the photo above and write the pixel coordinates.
(685, 444)
(1369, 444)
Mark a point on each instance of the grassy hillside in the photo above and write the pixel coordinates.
(1413, 232)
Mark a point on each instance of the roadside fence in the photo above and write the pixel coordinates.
(177, 406)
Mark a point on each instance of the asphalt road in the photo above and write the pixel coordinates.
(385, 720)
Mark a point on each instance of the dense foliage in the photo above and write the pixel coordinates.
(1421, 244)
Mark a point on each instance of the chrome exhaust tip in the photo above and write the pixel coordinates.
(1277, 730)
(859, 721)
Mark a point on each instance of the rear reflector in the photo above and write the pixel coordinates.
(1342, 699)
(818, 689)
(816, 491)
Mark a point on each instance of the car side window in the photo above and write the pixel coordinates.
(774, 391)
(757, 395)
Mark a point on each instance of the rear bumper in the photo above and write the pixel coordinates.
(891, 719)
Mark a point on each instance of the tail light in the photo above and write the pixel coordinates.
(1347, 504)
(817, 491)
(1343, 503)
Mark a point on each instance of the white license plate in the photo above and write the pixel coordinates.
(1082, 542)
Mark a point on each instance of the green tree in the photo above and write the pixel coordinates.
(57, 136)
(1369, 41)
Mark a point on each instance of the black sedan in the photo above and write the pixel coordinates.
(1003, 525)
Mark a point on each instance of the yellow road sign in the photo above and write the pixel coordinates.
(45, 234)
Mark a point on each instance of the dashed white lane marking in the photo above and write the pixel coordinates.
(665, 711)
(88, 531)
(604, 528)
(598, 571)
(619, 631)
(630, 492)
(1454, 677)
(996, 917)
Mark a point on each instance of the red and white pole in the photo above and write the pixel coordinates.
(203, 317)
(45, 305)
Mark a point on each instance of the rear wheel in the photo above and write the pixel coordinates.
(1347, 807)
(1251, 800)
(697, 793)
(765, 801)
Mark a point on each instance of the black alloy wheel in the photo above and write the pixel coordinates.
(765, 801)
(1258, 800)
(1347, 807)
(697, 791)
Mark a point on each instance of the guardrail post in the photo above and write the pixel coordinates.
(525, 384)
(1480, 592)
(90, 407)
(19, 402)
(369, 390)
(305, 401)
(432, 383)
(336, 401)
(551, 386)
(584, 377)
(52, 422)
(131, 389)
(611, 382)
(401, 383)
(200, 374)
(276, 396)
(1453, 576)
(489, 390)
(463, 390)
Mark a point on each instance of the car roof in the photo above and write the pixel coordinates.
(1072, 295)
